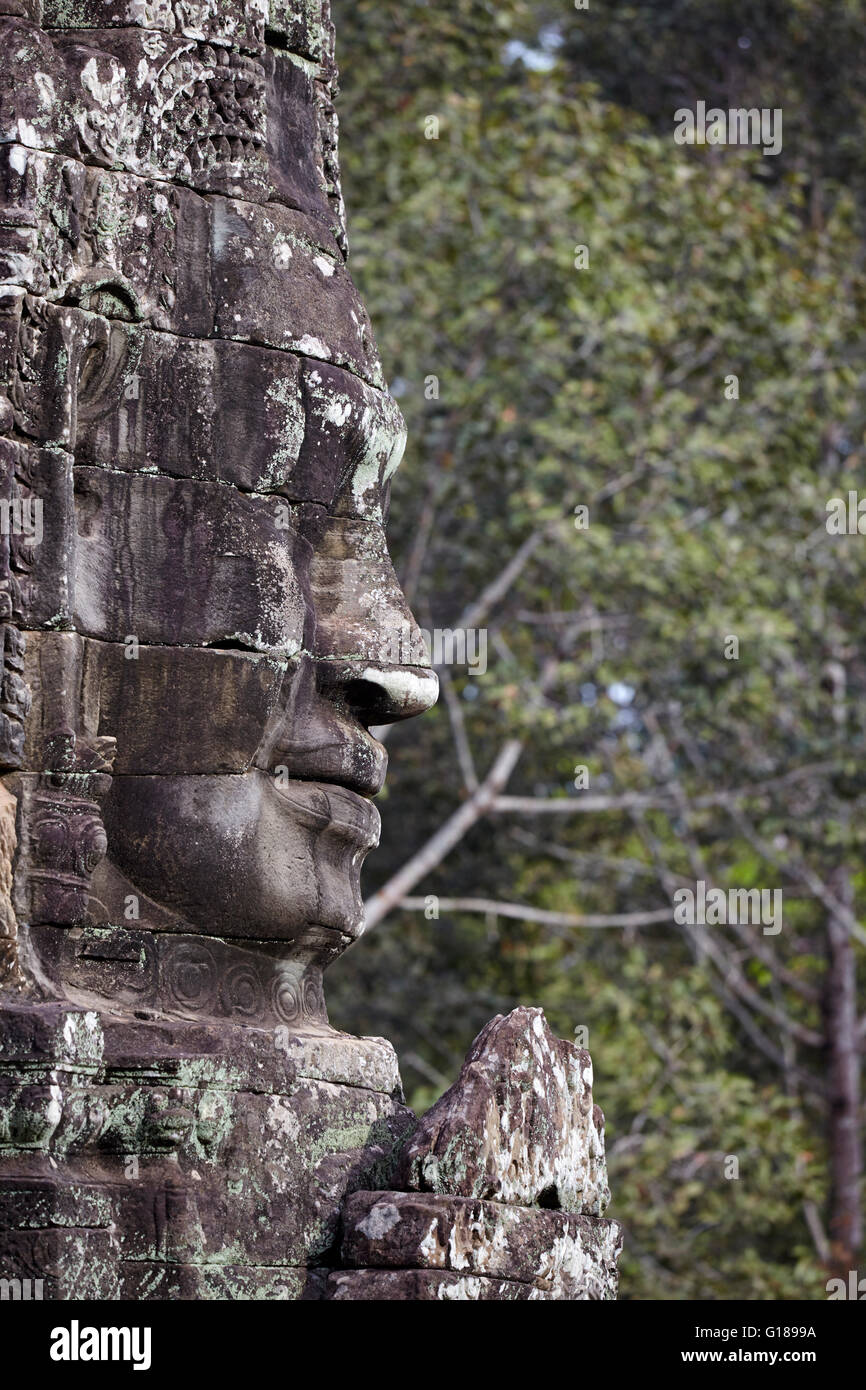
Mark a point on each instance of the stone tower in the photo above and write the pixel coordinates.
(199, 614)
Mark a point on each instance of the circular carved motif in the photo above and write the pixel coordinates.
(191, 976)
(286, 997)
(242, 992)
(314, 998)
(92, 846)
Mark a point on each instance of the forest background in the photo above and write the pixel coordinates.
(632, 372)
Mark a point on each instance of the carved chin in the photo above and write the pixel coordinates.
(240, 856)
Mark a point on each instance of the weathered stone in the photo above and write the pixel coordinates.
(269, 1180)
(188, 1170)
(152, 1279)
(279, 280)
(15, 697)
(217, 882)
(144, 253)
(299, 138)
(37, 538)
(159, 105)
(304, 27)
(62, 1264)
(106, 241)
(8, 921)
(305, 429)
(355, 427)
(164, 106)
(518, 1125)
(336, 752)
(193, 1052)
(426, 1285)
(154, 966)
(30, 85)
(62, 842)
(184, 562)
(69, 366)
(23, 9)
(149, 699)
(36, 1203)
(49, 1037)
(360, 609)
(564, 1255)
(163, 420)
(11, 301)
(232, 21)
(41, 197)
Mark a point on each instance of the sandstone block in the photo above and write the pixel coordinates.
(182, 562)
(564, 1255)
(518, 1126)
(279, 280)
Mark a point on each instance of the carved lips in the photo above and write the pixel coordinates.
(330, 807)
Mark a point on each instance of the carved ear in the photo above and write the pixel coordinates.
(103, 349)
(101, 368)
(70, 365)
(103, 291)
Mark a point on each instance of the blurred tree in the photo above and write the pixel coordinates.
(632, 374)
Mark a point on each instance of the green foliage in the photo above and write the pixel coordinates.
(606, 387)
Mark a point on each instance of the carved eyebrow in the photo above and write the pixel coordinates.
(385, 432)
(353, 432)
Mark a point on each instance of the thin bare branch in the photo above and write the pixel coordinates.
(445, 838)
(458, 729)
(587, 804)
(475, 614)
(523, 912)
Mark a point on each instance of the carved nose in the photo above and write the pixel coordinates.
(383, 695)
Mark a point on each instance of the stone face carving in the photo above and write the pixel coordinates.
(195, 406)
(198, 627)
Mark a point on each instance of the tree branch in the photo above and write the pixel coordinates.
(525, 913)
(446, 837)
(458, 729)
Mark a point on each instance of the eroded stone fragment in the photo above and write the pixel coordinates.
(562, 1254)
(518, 1126)
(426, 1286)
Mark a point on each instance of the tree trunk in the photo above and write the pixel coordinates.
(844, 1140)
